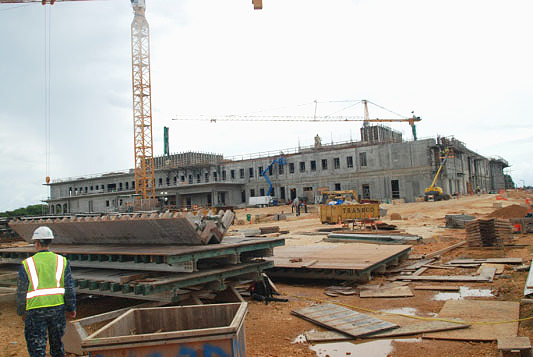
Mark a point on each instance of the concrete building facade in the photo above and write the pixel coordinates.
(383, 167)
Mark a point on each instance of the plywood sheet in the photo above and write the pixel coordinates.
(487, 275)
(478, 311)
(325, 336)
(420, 327)
(437, 287)
(508, 343)
(391, 292)
(344, 320)
(499, 267)
(412, 329)
(487, 260)
(357, 256)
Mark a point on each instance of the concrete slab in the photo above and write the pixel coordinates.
(165, 228)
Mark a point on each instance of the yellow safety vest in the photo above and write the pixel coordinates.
(46, 273)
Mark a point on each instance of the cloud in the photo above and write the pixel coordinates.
(464, 67)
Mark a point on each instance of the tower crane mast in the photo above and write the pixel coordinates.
(142, 102)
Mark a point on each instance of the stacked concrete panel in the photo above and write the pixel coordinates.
(127, 229)
(488, 233)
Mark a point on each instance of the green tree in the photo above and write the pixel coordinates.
(508, 181)
(32, 210)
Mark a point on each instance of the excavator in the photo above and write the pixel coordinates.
(435, 193)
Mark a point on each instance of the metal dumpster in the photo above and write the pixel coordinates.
(334, 214)
(215, 330)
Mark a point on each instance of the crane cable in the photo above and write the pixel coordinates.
(47, 87)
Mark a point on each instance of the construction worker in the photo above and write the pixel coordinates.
(296, 206)
(45, 296)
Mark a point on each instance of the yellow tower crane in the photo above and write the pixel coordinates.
(142, 102)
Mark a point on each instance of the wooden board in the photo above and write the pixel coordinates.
(437, 287)
(528, 289)
(325, 336)
(356, 256)
(396, 291)
(420, 327)
(486, 276)
(507, 343)
(444, 250)
(487, 260)
(412, 329)
(477, 311)
(499, 267)
(344, 320)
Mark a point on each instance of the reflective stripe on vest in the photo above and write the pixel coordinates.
(35, 279)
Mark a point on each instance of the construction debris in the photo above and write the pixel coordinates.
(437, 287)
(485, 260)
(412, 329)
(268, 230)
(499, 268)
(421, 327)
(487, 275)
(439, 252)
(510, 346)
(387, 292)
(335, 291)
(457, 220)
(374, 238)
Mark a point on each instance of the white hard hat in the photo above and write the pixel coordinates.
(42, 232)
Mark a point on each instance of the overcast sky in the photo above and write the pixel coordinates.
(464, 67)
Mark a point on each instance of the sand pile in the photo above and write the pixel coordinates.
(513, 211)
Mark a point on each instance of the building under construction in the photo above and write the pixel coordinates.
(381, 166)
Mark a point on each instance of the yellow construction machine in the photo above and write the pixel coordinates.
(435, 193)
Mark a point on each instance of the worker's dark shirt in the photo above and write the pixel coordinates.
(22, 289)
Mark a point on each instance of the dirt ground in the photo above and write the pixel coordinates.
(271, 329)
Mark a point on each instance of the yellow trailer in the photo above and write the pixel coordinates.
(341, 213)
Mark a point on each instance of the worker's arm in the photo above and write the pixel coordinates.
(22, 289)
(70, 293)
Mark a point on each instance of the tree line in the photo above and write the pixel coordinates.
(31, 210)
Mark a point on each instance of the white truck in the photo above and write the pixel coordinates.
(260, 201)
